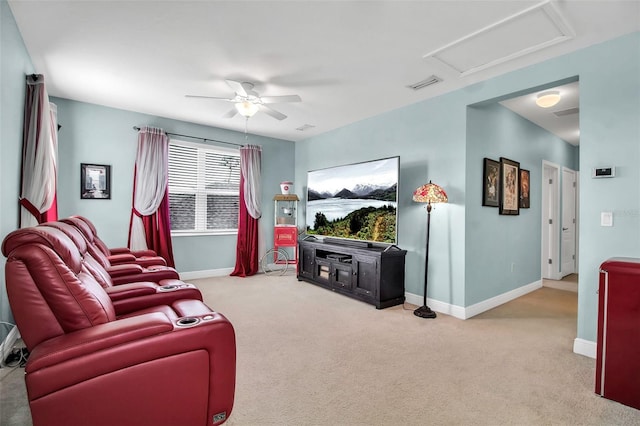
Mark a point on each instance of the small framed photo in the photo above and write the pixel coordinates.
(509, 187)
(95, 181)
(490, 183)
(525, 190)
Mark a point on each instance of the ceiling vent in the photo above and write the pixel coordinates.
(564, 112)
(426, 82)
(305, 127)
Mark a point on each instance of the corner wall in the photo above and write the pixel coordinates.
(15, 64)
(101, 135)
(504, 251)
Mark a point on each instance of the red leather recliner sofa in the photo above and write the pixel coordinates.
(165, 364)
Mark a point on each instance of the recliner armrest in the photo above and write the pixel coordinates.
(122, 270)
(136, 253)
(117, 373)
(116, 259)
(86, 341)
(126, 291)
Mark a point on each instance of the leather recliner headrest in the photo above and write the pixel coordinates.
(82, 226)
(57, 240)
(72, 232)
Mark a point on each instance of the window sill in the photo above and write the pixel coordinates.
(202, 234)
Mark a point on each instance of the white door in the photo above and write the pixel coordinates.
(568, 239)
(550, 213)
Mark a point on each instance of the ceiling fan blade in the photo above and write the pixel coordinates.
(231, 113)
(280, 99)
(209, 97)
(237, 87)
(272, 112)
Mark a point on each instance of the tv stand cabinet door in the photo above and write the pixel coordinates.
(342, 276)
(366, 276)
(307, 261)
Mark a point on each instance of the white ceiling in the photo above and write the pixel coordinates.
(562, 119)
(347, 60)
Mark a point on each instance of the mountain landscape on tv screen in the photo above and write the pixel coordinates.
(364, 192)
(364, 212)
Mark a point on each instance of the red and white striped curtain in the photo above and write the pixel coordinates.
(150, 226)
(247, 247)
(39, 156)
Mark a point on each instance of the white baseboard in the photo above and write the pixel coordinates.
(501, 299)
(8, 343)
(585, 347)
(473, 310)
(208, 273)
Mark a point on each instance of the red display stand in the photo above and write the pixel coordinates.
(618, 352)
(285, 230)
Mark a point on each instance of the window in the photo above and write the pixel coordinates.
(204, 188)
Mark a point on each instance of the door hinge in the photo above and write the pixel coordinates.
(574, 184)
(550, 221)
(550, 181)
(550, 262)
(573, 257)
(574, 220)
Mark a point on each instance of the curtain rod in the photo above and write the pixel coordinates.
(137, 129)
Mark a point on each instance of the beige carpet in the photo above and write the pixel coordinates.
(308, 356)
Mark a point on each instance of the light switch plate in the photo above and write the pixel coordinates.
(606, 219)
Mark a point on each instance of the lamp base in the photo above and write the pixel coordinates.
(424, 312)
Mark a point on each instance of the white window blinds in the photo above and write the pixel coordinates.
(204, 185)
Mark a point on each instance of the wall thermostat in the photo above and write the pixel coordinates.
(603, 172)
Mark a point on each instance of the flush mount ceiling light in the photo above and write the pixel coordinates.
(246, 108)
(548, 99)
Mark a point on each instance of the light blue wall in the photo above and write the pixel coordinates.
(609, 135)
(96, 134)
(495, 242)
(15, 64)
(431, 139)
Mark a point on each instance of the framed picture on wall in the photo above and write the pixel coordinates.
(95, 181)
(509, 187)
(491, 183)
(525, 190)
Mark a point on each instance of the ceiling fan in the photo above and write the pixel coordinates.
(247, 101)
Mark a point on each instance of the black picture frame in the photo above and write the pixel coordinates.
(509, 187)
(95, 181)
(491, 183)
(525, 189)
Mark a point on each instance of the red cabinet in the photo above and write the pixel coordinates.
(618, 352)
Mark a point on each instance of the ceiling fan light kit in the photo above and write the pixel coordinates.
(548, 99)
(246, 108)
(248, 102)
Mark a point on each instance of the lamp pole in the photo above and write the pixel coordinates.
(424, 311)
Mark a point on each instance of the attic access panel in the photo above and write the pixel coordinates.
(532, 29)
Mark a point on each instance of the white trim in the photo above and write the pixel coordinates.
(584, 347)
(501, 299)
(8, 343)
(436, 305)
(207, 273)
(473, 310)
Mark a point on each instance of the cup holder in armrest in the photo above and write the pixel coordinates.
(169, 287)
(187, 322)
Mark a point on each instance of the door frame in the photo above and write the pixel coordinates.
(550, 210)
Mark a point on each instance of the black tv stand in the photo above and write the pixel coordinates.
(367, 271)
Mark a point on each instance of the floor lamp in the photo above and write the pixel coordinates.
(429, 193)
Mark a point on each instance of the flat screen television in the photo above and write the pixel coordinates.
(354, 201)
